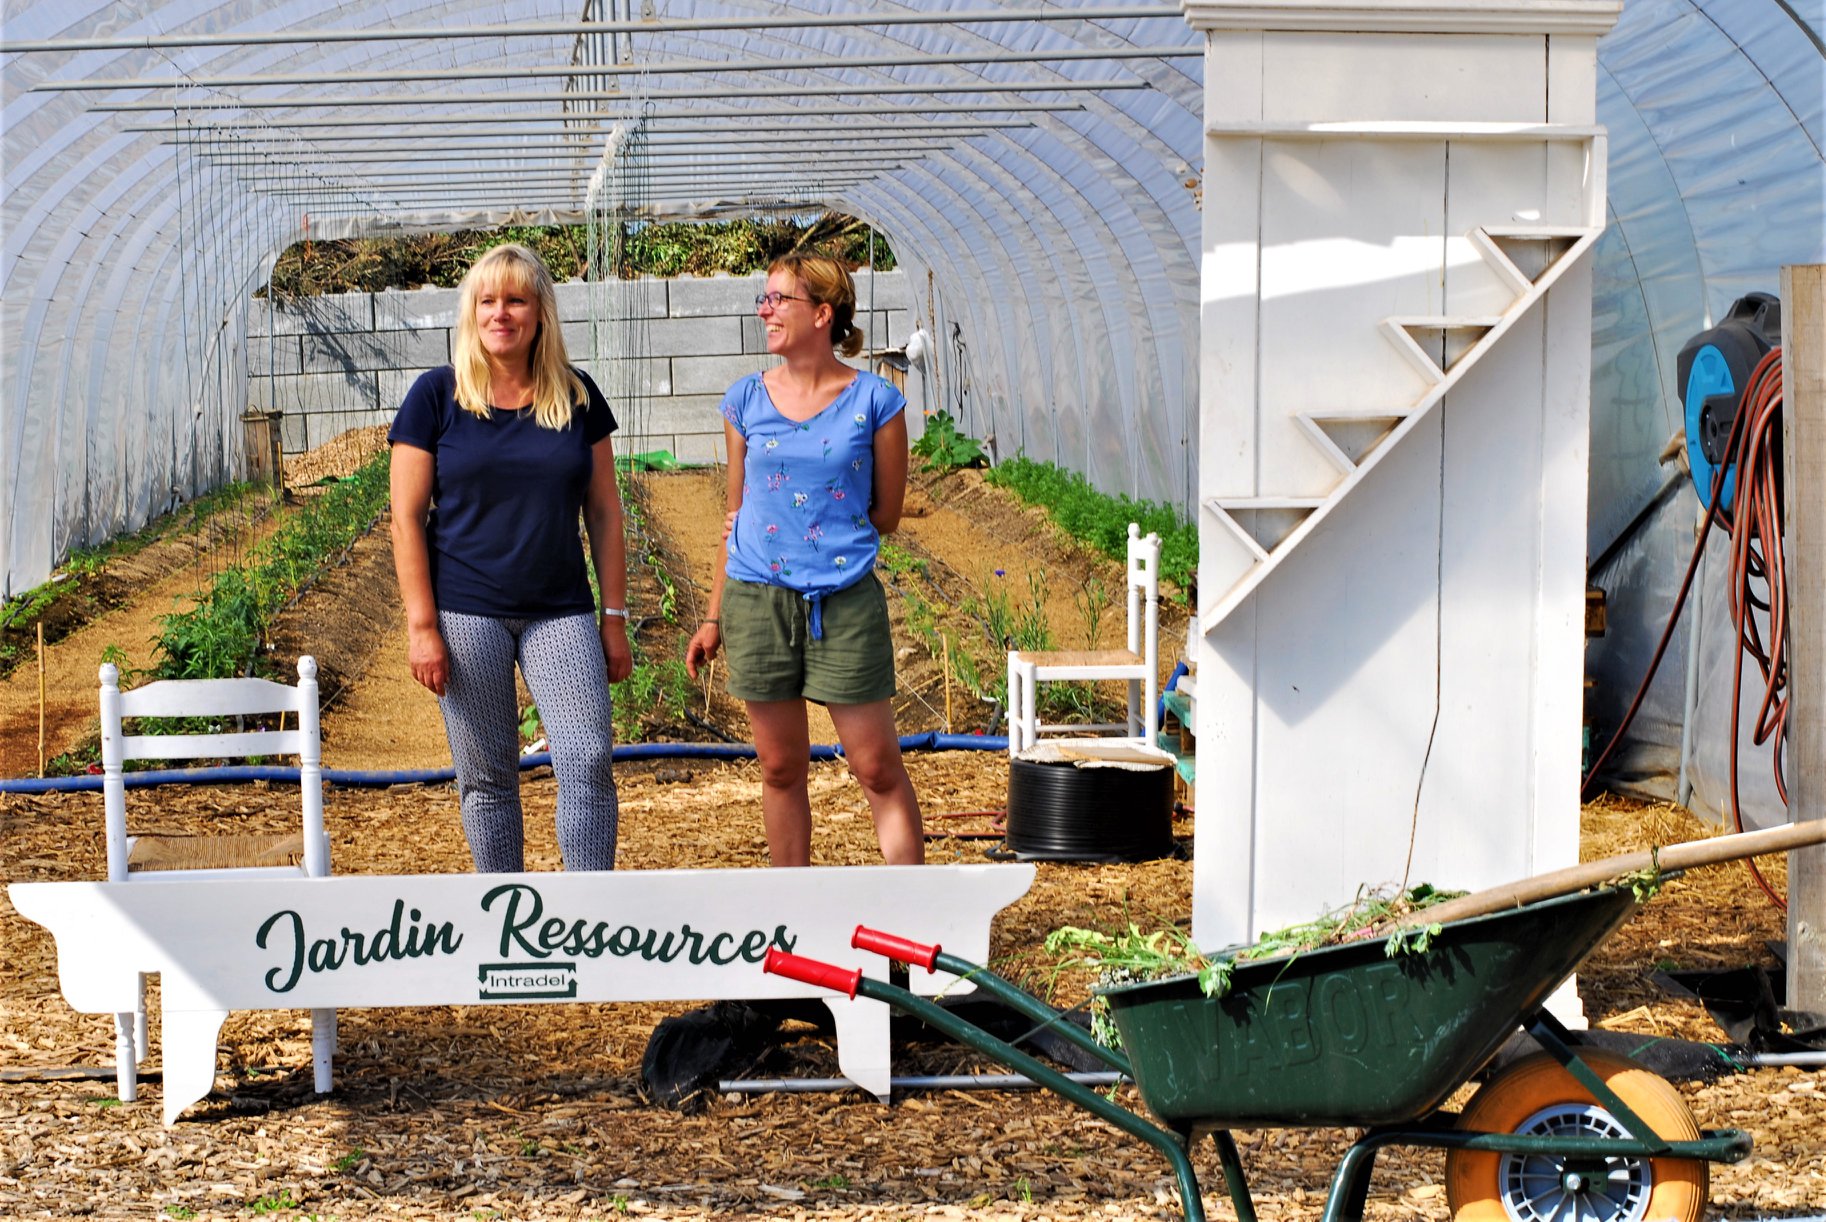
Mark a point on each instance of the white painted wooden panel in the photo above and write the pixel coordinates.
(207, 698)
(1572, 78)
(1224, 870)
(209, 746)
(1228, 316)
(1559, 694)
(1344, 76)
(1491, 184)
(1477, 807)
(1351, 233)
(1345, 691)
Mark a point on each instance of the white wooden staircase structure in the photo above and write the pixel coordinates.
(1394, 385)
(1527, 258)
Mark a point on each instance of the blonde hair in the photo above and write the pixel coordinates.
(557, 390)
(826, 282)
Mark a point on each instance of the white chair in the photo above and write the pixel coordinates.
(1138, 664)
(154, 859)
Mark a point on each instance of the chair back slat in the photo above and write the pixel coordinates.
(211, 746)
(208, 698)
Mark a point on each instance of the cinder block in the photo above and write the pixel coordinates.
(292, 434)
(376, 350)
(712, 375)
(679, 414)
(646, 378)
(326, 392)
(892, 292)
(393, 385)
(754, 334)
(699, 447)
(273, 354)
(692, 297)
(415, 309)
(711, 335)
(333, 312)
(642, 298)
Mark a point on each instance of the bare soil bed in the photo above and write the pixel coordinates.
(535, 1112)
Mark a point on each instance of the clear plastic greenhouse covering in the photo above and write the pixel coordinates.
(1037, 169)
(1717, 118)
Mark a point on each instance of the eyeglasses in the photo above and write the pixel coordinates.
(772, 299)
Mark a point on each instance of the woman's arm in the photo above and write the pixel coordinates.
(410, 472)
(709, 636)
(889, 493)
(602, 519)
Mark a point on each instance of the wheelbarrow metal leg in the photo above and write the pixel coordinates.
(1168, 1143)
(1234, 1179)
(1349, 1195)
(1557, 1040)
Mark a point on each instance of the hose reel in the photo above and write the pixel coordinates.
(1713, 370)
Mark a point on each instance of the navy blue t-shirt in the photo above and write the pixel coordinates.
(505, 497)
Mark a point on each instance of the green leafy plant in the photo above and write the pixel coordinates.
(349, 1161)
(1102, 520)
(1023, 1191)
(943, 448)
(273, 1203)
(220, 637)
(672, 248)
(897, 561)
(1092, 599)
(529, 723)
(183, 1213)
(834, 1180)
(1134, 954)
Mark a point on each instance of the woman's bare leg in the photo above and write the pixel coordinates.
(872, 748)
(782, 743)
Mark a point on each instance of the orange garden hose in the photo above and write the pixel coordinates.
(1755, 526)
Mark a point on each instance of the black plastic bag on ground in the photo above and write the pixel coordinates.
(688, 1056)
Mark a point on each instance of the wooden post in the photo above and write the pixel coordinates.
(41, 698)
(1804, 444)
(945, 637)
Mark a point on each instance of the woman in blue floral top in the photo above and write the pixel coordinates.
(817, 475)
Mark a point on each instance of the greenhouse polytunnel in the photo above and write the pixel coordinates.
(1038, 169)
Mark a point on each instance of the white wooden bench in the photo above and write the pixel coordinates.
(480, 939)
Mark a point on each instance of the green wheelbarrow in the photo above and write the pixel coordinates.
(1349, 1036)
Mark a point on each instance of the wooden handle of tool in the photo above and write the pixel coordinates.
(1589, 874)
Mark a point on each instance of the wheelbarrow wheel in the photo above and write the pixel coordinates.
(1537, 1096)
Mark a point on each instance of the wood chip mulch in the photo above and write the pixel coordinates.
(535, 1111)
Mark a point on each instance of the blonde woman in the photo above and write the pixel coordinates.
(493, 459)
(817, 475)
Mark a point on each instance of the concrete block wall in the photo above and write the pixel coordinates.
(338, 362)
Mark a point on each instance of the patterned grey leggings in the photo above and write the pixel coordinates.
(562, 660)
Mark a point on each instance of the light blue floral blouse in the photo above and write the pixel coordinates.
(806, 487)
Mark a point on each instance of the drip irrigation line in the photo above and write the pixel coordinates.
(431, 776)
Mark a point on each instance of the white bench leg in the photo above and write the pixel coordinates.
(126, 1060)
(323, 1049)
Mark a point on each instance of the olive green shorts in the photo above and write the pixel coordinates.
(767, 636)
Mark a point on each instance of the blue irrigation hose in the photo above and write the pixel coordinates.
(932, 741)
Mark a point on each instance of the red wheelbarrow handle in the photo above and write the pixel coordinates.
(892, 947)
(812, 971)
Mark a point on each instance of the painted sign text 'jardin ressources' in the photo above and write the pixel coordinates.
(525, 936)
